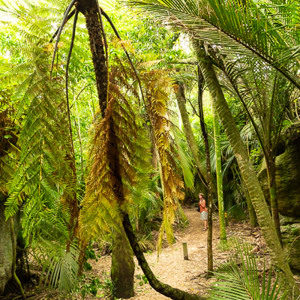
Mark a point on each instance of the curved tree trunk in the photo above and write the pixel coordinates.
(256, 194)
(160, 287)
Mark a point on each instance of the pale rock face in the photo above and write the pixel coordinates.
(288, 192)
(287, 174)
(6, 251)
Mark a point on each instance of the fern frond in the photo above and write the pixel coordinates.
(185, 161)
(156, 106)
(114, 156)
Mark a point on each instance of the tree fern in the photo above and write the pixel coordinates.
(44, 183)
(116, 137)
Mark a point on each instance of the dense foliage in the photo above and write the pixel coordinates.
(80, 152)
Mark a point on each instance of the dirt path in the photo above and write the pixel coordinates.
(170, 267)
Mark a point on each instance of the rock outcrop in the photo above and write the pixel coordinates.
(287, 173)
(6, 250)
(288, 191)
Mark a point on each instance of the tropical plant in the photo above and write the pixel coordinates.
(266, 95)
(197, 19)
(243, 279)
(239, 28)
(44, 182)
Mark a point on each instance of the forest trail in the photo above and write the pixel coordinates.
(170, 267)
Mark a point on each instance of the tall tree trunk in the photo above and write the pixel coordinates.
(181, 101)
(96, 37)
(122, 266)
(271, 169)
(209, 178)
(219, 175)
(90, 10)
(252, 216)
(246, 168)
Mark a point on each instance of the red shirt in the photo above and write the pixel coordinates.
(202, 205)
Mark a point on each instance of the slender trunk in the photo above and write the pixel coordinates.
(160, 287)
(122, 266)
(14, 257)
(252, 216)
(219, 175)
(90, 10)
(246, 168)
(209, 178)
(78, 129)
(271, 168)
(180, 96)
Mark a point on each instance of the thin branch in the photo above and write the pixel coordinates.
(60, 31)
(275, 82)
(69, 55)
(194, 109)
(67, 80)
(56, 32)
(105, 45)
(182, 63)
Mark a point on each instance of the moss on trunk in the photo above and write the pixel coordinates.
(122, 266)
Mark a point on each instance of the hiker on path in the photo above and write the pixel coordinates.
(203, 210)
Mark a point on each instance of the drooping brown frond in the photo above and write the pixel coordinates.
(156, 98)
(113, 158)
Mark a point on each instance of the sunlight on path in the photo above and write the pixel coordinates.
(171, 268)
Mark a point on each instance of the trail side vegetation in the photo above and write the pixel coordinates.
(115, 115)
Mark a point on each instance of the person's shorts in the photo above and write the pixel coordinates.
(203, 216)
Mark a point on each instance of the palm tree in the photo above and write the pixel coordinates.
(244, 29)
(246, 168)
(266, 94)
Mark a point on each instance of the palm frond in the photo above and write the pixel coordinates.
(236, 28)
(243, 280)
(59, 267)
(185, 161)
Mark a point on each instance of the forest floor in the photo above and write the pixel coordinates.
(170, 267)
(188, 275)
